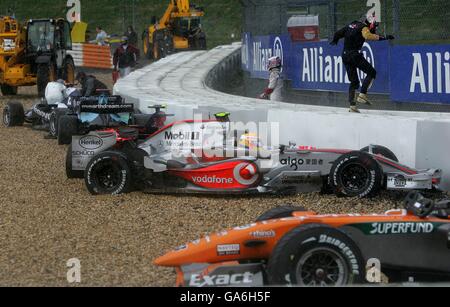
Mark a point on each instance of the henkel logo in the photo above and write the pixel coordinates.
(212, 180)
(321, 67)
(91, 142)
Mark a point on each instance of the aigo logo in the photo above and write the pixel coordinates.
(278, 50)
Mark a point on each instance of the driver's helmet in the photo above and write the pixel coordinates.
(274, 62)
(371, 22)
(251, 141)
(158, 120)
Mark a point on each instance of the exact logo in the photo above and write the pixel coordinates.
(221, 280)
(91, 142)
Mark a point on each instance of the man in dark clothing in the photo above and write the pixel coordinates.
(355, 34)
(90, 86)
(132, 36)
(125, 58)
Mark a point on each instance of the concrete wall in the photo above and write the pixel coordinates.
(186, 82)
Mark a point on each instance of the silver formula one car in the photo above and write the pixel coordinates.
(208, 157)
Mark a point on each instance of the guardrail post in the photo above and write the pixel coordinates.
(396, 18)
(332, 26)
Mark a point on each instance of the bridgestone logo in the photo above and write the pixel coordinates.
(346, 251)
(183, 136)
(212, 180)
(401, 228)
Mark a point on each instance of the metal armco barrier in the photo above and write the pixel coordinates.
(92, 56)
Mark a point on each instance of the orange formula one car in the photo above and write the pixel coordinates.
(289, 246)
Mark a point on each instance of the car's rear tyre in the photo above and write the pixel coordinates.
(8, 90)
(279, 213)
(55, 116)
(67, 128)
(316, 255)
(68, 73)
(356, 174)
(108, 174)
(13, 114)
(383, 151)
(72, 174)
(45, 73)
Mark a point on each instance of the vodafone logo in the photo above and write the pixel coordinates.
(212, 180)
(278, 49)
(246, 174)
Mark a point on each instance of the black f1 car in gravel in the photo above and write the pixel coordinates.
(202, 157)
(74, 115)
(45, 114)
(92, 113)
(290, 246)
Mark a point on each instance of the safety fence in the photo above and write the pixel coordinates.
(92, 56)
(418, 73)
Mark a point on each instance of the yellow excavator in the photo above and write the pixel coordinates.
(34, 54)
(178, 29)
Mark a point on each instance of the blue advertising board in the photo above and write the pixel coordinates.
(421, 73)
(408, 73)
(312, 66)
(319, 66)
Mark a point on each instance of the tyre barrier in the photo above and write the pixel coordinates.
(186, 81)
(92, 56)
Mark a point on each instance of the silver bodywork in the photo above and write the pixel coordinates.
(291, 168)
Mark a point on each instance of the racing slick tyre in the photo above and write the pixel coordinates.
(316, 255)
(279, 213)
(45, 74)
(13, 114)
(68, 71)
(108, 174)
(55, 116)
(67, 128)
(71, 174)
(356, 174)
(383, 151)
(9, 90)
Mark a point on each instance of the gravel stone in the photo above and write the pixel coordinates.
(46, 219)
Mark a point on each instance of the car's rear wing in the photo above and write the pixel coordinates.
(104, 105)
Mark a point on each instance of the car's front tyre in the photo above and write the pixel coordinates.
(316, 256)
(13, 114)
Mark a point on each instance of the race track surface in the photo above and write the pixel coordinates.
(46, 219)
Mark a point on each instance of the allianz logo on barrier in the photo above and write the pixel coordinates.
(318, 67)
(438, 69)
(262, 55)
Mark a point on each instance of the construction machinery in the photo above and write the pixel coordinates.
(178, 29)
(34, 54)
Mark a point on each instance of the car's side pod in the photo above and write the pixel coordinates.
(445, 230)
